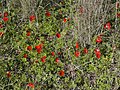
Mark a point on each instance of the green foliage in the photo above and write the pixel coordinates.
(86, 71)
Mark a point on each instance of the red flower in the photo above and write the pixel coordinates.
(40, 46)
(65, 20)
(43, 59)
(117, 5)
(57, 60)
(77, 53)
(48, 14)
(30, 85)
(32, 18)
(37, 47)
(8, 74)
(97, 53)
(118, 15)
(58, 35)
(52, 53)
(107, 26)
(0, 14)
(1, 34)
(39, 50)
(5, 14)
(5, 19)
(28, 33)
(61, 73)
(25, 55)
(99, 39)
(29, 48)
(96, 50)
(85, 50)
(77, 45)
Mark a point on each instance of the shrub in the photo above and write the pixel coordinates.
(60, 44)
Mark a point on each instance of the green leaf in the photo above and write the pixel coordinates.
(92, 67)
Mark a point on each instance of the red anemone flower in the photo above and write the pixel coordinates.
(65, 20)
(77, 53)
(5, 14)
(29, 48)
(107, 26)
(58, 35)
(8, 74)
(43, 59)
(52, 53)
(97, 53)
(57, 60)
(28, 33)
(85, 50)
(61, 73)
(77, 45)
(5, 19)
(32, 18)
(25, 55)
(48, 14)
(99, 39)
(30, 85)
